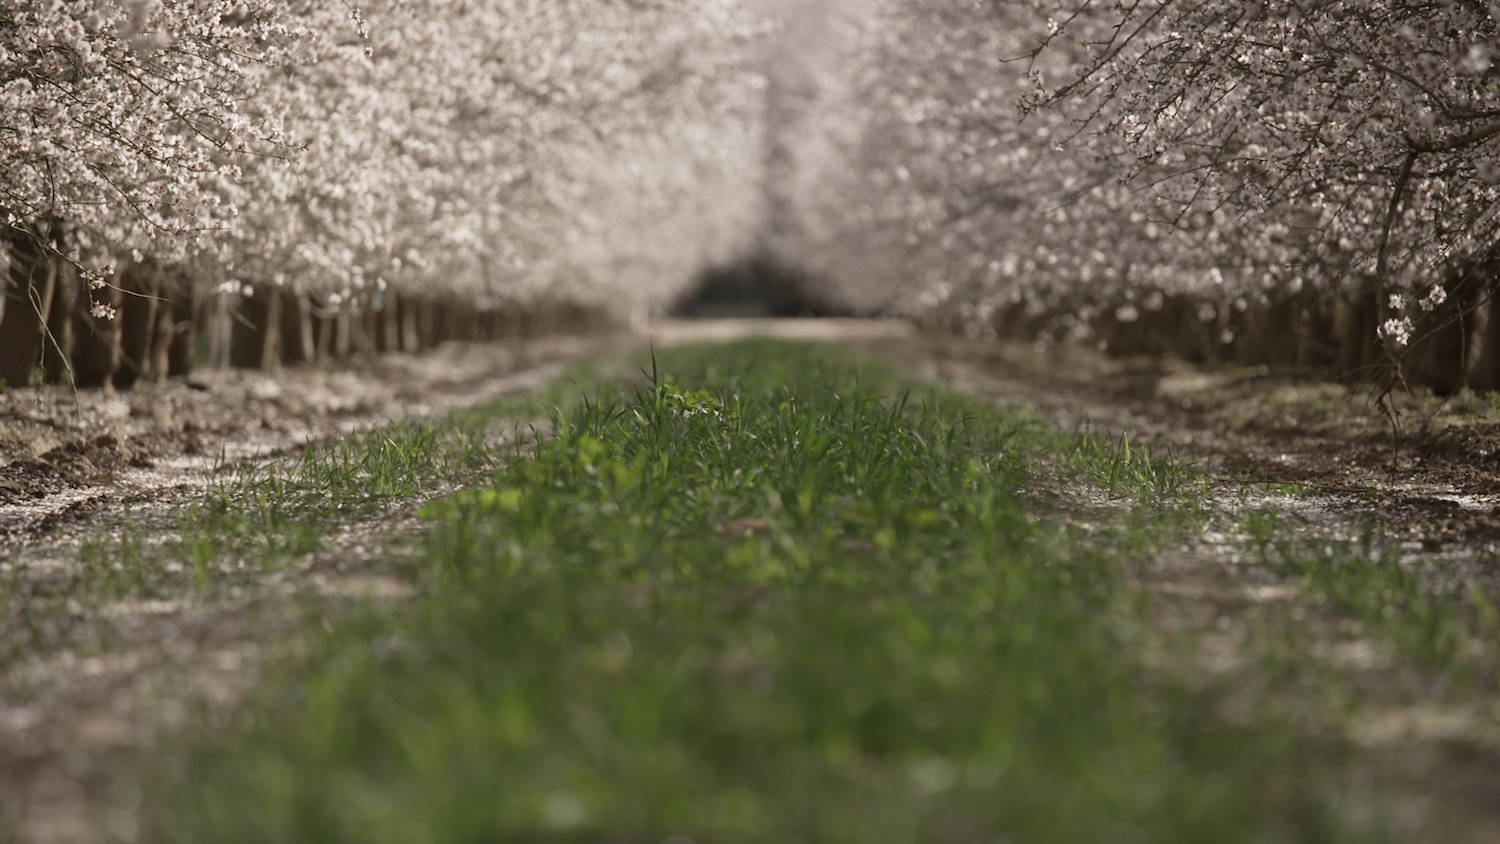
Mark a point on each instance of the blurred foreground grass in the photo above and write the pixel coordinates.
(774, 593)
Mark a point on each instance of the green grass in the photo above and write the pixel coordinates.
(774, 594)
(258, 517)
(1437, 617)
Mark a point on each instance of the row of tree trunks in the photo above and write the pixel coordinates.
(46, 331)
(292, 327)
(153, 335)
(1455, 345)
(49, 332)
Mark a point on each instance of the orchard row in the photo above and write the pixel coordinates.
(489, 154)
(1306, 183)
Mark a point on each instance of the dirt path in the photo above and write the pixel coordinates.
(1437, 481)
(1323, 456)
(73, 727)
(76, 724)
(65, 456)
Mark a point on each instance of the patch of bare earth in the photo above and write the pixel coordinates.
(78, 720)
(67, 455)
(1327, 459)
(1436, 480)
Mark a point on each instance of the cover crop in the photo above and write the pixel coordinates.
(772, 592)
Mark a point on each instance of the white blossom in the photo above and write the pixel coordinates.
(1397, 331)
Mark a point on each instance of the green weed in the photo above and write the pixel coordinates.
(1137, 472)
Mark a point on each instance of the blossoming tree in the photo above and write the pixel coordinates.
(1308, 182)
(112, 116)
(312, 165)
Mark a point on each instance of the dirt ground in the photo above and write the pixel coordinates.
(1325, 455)
(74, 726)
(1433, 478)
(67, 455)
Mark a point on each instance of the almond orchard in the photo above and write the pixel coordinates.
(1151, 493)
(317, 178)
(1307, 184)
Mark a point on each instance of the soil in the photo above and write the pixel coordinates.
(76, 728)
(66, 455)
(1430, 473)
(1428, 481)
(77, 724)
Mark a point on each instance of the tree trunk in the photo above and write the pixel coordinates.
(362, 330)
(23, 323)
(462, 322)
(96, 340)
(253, 343)
(1249, 329)
(1437, 357)
(298, 345)
(1275, 332)
(57, 348)
(387, 324)
(1177, 331)
(322, 328)
(443, 328)
(427, 334)
(183, 350)
(20, 336)
(514, 322)
(545, 317)
(343, 333)
(1484, 366)
(207, 319)
(217, 316)
(159, 361)
(1354, 320)
(411, 339)
(141, 283)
